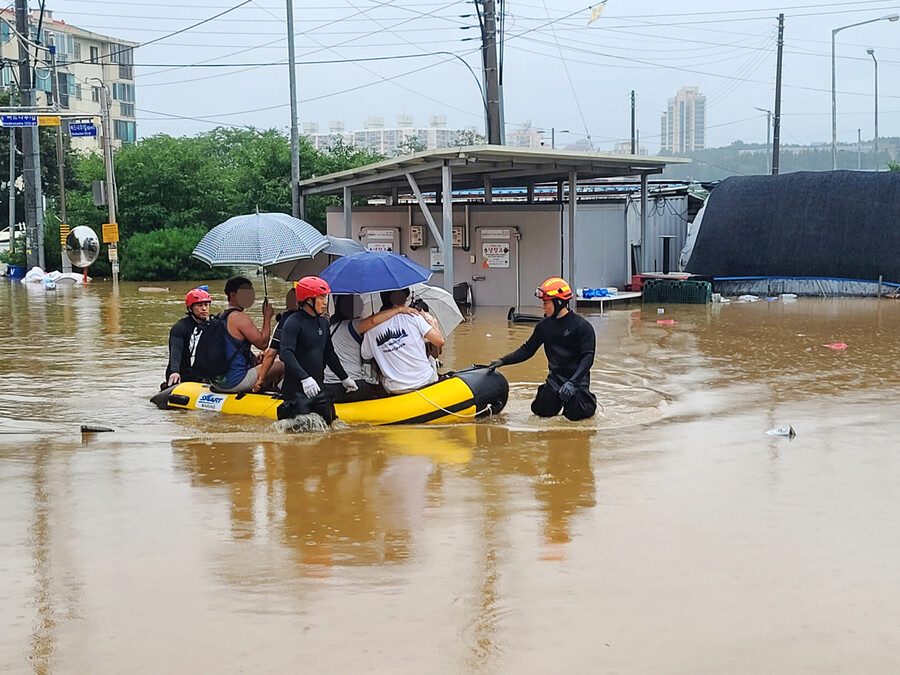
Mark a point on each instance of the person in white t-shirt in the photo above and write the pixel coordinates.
(347, 332)
(398, 346)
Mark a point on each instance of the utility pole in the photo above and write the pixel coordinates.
(491, 72)
(295, 133)
(633, 139)
(110, 175)
(31, 170)
(12, 187)
(61, 168)
(859, 149)
(871, 52)
(776, 142)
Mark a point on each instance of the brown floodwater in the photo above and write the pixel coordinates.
(668, 534)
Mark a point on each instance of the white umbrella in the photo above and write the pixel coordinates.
(441, 305)
(259, 239)
(294, 270)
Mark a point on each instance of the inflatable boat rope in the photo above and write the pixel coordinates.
(487, 408)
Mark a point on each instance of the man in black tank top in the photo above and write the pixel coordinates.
(569, 344)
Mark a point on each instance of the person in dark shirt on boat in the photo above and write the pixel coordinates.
(240, 334)
(271, 367)
(306, 349)
(184, 337)
(569, 344)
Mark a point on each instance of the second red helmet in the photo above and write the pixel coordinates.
(194, 296)
(311, 287)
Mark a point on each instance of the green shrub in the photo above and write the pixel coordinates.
(165, 255)
(17, 255)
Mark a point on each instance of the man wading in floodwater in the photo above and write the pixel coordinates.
(569, 344)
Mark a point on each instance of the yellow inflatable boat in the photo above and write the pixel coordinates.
(462, 397)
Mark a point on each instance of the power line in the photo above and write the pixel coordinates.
(177, 32)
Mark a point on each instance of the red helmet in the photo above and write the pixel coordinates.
(311, 287)
(194, 296)
(554, 288)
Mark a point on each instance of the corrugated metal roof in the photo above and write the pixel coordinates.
(473, 165)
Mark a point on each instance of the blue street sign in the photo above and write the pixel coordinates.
(82, 129)
(18, 120)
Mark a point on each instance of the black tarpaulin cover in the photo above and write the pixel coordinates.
(840, 224)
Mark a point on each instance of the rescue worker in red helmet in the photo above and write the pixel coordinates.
(306, 349)
(569, 343)
(184, 337)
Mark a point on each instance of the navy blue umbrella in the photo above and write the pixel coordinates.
(373, 271)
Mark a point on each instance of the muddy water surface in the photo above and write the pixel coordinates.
(668, 534)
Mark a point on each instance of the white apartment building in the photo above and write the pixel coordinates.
(84, 60)
(378, 137)
(683, 125)
(525, 136)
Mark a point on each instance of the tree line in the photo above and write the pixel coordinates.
(172, 191)
(746, 159)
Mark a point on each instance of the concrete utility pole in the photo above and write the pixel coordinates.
(61, 168)
(768, 130)
(871, 52)
(34, 198)
(12, 188)
(776, 142)
(110, 175)
(491, 72)
(633, 139)
(295, 133)
(859, 149)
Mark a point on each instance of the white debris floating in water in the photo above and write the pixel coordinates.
(782, 431)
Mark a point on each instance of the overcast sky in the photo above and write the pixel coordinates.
(558, 71)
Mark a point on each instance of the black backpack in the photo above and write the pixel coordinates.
(210, 362)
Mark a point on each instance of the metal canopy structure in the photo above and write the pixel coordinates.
(483, 166)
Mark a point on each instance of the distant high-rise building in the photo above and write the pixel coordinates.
(377, 136)
(683, 125)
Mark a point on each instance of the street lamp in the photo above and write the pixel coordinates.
(871, 52)
(768, 131)
(889, 17)
(553, 135)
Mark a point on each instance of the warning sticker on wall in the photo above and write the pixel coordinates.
(495, 255)
(378, 246)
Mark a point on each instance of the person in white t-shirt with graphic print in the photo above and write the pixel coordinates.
(398, 347)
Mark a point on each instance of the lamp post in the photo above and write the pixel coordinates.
(768, 132)
(889, 17)
(871, 52)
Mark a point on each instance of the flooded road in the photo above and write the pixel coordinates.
(668, 534)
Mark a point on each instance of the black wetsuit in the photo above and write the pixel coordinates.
(183, 339)
(569, 344)
(305, 350)
(275, 342)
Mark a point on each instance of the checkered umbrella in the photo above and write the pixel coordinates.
(259, 239)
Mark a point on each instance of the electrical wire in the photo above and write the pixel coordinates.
(571, 83)
(177, 32)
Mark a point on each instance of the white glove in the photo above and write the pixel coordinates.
(350, 384)
(310, 387)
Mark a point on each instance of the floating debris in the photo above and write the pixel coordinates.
(667, 322)
(836, 345)
(782, 431)
(94, 429)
